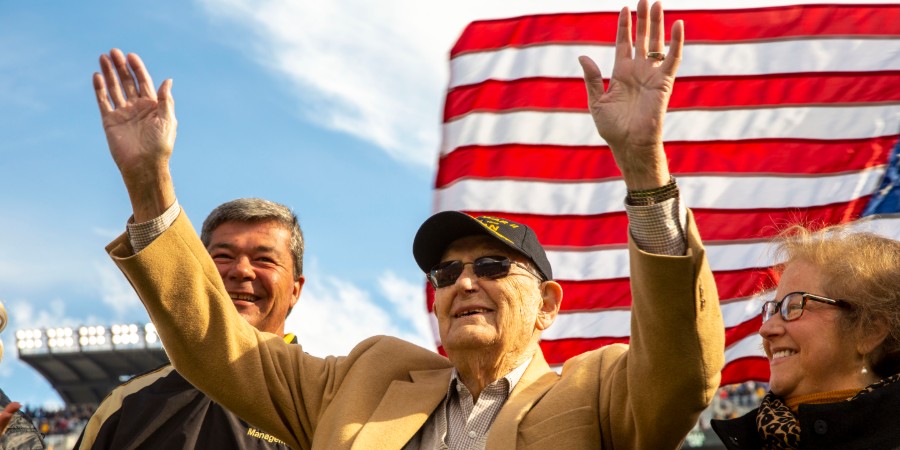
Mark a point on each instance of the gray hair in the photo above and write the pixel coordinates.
(256, 210)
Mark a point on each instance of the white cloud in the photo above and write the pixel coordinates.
(375, 70)
(379, 70)
(408, 300)
(116, 292)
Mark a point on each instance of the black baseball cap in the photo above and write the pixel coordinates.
(441, 229)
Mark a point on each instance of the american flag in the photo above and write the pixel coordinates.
(779, 114)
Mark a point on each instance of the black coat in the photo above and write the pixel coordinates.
(869, 422)
(161, 410)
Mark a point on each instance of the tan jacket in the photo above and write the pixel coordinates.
(378, 396)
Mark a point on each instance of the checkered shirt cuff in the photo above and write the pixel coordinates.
(142, 234)
(659, 228)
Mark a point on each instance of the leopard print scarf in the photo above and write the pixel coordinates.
(780, 429)
(776, 424)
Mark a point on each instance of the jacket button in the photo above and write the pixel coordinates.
(820, 427)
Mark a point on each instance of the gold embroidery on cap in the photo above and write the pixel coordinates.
(492, 224)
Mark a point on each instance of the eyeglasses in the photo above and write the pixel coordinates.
(793, 304)
(493, 267)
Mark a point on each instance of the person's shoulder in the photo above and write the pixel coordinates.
(395, 342)
(161, 371)
(738, 432)
(594, 360)
(397, 349)
(141, 381)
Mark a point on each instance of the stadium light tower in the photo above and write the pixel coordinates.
(84, 363)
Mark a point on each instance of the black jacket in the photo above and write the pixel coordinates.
(868, 422)
(161, 410)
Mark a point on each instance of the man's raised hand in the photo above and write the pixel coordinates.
(629, 114)
(140, 129)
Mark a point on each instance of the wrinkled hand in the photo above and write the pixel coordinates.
(140, 129)
(7, 414)
(629, 115)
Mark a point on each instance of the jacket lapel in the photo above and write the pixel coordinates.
(404, 409)
(535, 382)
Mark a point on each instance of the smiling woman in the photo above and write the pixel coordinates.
(832, 336)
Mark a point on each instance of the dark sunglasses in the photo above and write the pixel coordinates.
(791, 306)
(493, 267)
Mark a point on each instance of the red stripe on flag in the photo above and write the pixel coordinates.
(538, 162)
(558, 351)
(593, 295)
(715, 225)
(719, 225)
(586, 295)
(571, 231)
(745, 369)
(568, 94)
(563, 349)
(744, 283)
(743, 330)
(711, 25)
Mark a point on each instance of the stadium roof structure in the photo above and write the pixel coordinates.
(84, 364)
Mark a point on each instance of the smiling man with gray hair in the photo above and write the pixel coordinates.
(257, 248)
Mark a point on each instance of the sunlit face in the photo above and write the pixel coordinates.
(813, 353)
(255, 263)
(498, 315)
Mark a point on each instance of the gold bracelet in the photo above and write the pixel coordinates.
(646, 197)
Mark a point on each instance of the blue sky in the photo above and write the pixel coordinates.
(332, 109)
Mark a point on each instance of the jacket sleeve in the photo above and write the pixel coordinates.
(653, 394)
(270, 384)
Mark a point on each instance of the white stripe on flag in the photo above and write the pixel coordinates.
(577, 128)
(612, 262)
(726, 58)
(591, 6)
(608, 323)
(750, 346)
(719, 192)
(736, 312)
(609, 263)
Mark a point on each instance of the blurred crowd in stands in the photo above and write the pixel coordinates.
(733, 401)
(68, 420)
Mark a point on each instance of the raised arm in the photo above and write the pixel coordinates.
(629, 114)
(671, 369)
(140, 129)
(206, 339)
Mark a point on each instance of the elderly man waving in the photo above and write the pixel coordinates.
(495, 294)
